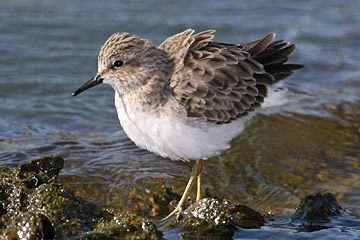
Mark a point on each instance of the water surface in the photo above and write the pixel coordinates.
(310, 144)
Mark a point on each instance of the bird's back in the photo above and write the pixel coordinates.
(219, 82)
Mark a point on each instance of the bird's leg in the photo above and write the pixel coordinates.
(178, 208)
(199, 186)
(196, 171)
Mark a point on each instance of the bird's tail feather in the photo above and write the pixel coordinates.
(273, 56)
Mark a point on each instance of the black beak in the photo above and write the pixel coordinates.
(96, 80)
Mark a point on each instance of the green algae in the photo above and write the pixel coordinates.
(126, 225)
(35, 205)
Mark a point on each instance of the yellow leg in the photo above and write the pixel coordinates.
(199, 186)
(196, 171)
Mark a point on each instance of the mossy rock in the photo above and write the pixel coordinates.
(35, 205)
(125, 225)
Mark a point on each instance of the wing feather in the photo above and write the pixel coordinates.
(219, 82)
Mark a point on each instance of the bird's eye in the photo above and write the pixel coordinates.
(118, 63)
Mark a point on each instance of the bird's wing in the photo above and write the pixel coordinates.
(178, 45)
(219, 82)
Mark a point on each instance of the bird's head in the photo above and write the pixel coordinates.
(127, 62)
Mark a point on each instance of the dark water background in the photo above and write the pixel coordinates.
(311, 144)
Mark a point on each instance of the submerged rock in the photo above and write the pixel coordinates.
(317, 208)
(163, 200)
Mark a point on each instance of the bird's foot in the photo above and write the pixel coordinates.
(176, 212)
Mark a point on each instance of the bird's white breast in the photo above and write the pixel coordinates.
(169, 137)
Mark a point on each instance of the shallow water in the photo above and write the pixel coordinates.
(310, 144)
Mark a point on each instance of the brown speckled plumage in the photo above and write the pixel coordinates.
(211, 82)
(220, 82)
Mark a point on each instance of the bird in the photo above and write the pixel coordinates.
(187, 98)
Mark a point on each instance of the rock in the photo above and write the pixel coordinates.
(35, 205)
(207, 218)
(30, 226)
(317, 208)
(45, 166)
(246, 217)
(125, 225)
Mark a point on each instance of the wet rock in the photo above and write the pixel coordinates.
(246, 217)
(35, 205)
(317, 208)
(125, 225)
(46, 166)
(30, 226)
(211, 218)
(206, 219)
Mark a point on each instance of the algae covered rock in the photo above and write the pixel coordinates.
(30, 226)
(207, 212)
(211, 218)
(208, 218)
(35, 205)
(125, 225)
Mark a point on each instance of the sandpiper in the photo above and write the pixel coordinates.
(189, 97)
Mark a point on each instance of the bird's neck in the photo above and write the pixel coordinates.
(150, 96)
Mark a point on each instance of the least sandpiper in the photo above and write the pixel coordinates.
(189, 97)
